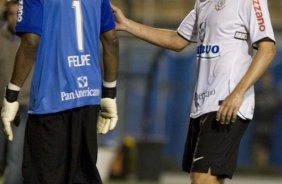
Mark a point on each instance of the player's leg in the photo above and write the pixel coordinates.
(85, 168)
(216, 149)
(3, 146)
(13, 173)
(221, 181)
(90, 149)
(205, 178)
(190, 145)
(45, 149)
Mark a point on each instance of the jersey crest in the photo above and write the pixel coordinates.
(219, 5)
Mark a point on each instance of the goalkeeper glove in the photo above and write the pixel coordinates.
(9, 111)
(108, 116)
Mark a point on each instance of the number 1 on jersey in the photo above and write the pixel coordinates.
(76, 4)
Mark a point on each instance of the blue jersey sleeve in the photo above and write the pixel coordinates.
(107, 19)
(30, 15)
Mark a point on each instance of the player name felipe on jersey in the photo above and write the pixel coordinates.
(79, 60)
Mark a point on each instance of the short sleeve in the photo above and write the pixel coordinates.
(188, 27)
(30, 15)
(107, 19)
(255, 16)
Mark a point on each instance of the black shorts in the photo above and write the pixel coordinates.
(61, 148)
(212, 145)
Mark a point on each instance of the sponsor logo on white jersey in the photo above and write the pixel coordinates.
(259, 15)
(79, 60)
(20, 11)
(200, 97)
(202, 31)
(208, 51)
(241, 36)
(82, 82)
(206, 94)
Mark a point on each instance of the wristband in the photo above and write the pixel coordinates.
(11, 95)
(109, 84)
(109, 92)
(14, 87)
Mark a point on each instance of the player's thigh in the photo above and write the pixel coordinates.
(204, 178)
(217, 146)
(45, 148)
(190, 145)
(88, 144)
(89, 129)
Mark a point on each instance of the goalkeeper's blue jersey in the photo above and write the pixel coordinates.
(67, 70)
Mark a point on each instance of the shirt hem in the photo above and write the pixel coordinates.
(24, 29)
(34, 112)
(215, 109)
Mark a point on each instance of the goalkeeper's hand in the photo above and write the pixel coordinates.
(108, 116)
(9, 111)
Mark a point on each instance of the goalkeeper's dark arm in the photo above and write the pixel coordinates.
(25, 58)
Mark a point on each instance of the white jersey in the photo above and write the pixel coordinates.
(226, 32)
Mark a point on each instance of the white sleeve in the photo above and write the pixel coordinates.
(255, 16)
(188, 27)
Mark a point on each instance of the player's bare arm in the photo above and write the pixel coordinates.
(230, 106)
(108, 115)
(110, 45)
(165, 38)
(25, 58)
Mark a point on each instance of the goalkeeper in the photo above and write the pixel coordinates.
(62, 39)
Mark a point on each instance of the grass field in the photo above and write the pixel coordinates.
(184, 179)
(116, 182)
(180, 178)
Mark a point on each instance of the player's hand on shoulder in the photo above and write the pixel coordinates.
(120, 19)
